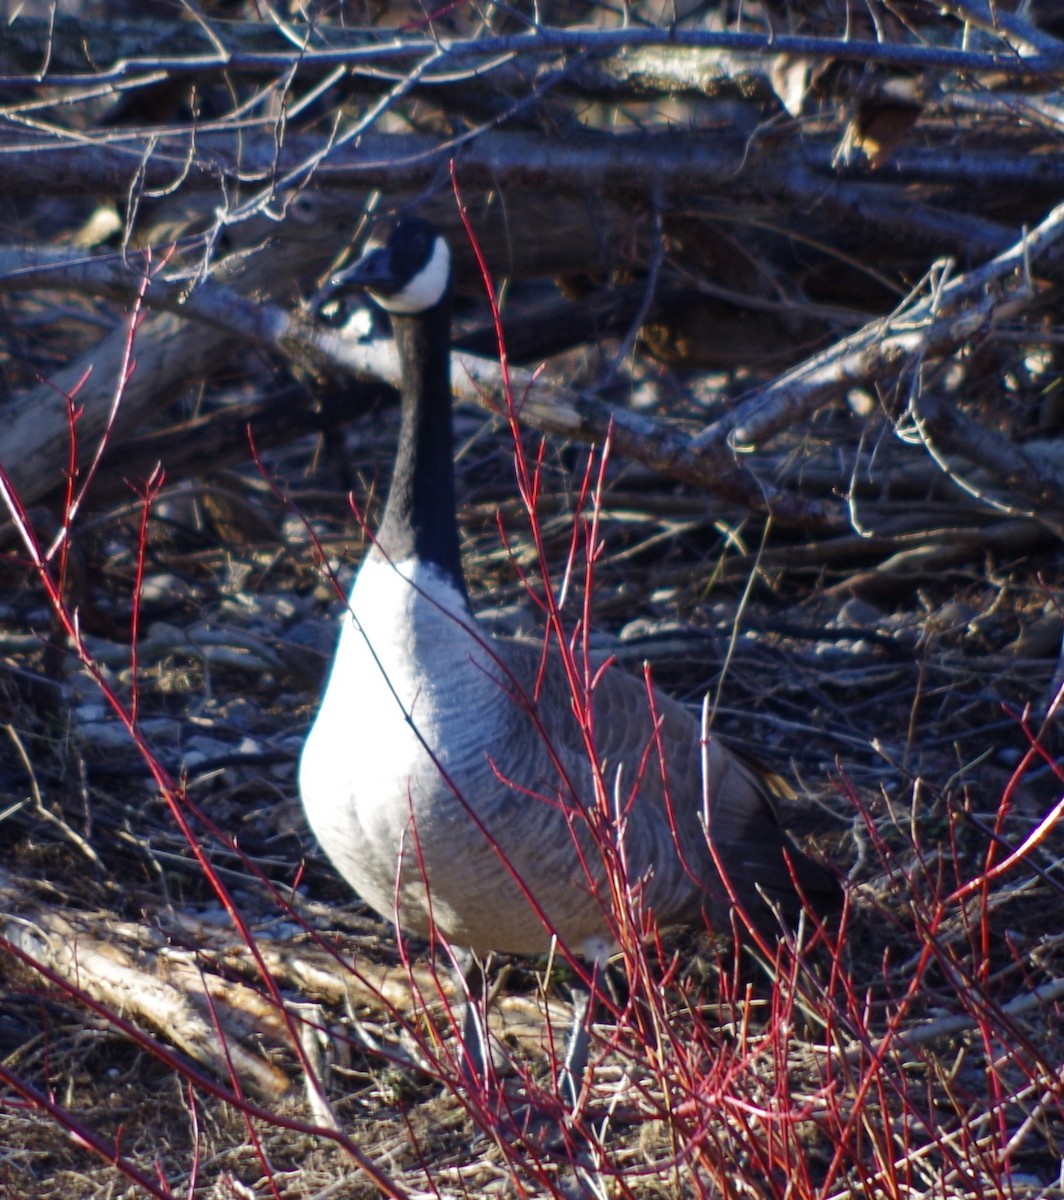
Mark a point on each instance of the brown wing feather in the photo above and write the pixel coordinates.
(665, 834)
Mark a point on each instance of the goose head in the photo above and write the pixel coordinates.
(406, 269)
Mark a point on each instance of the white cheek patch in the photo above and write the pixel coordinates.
(427, 287)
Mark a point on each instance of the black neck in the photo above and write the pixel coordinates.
(419, 517)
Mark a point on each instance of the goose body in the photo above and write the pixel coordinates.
(445, 774)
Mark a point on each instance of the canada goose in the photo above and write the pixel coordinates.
(445, 775)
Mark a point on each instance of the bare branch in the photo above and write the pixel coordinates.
(78, 50)
(1012, 28)
(949, 429)
(883, 348)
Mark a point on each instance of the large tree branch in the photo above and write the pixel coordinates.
(65, 51)
(172, 349)
(932, 325)
(674, 161)
(194, 332)
(669, 167)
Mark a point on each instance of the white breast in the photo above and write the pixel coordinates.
(422, 767)
(412, 703)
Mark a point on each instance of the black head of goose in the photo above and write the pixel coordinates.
(439, 790)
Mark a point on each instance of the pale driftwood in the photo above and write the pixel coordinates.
(376, 992)
(1037, 999)
(79, 951)
(171, 349)
(130, 971)
(907, 548)
(705, 460)
(134, 972)
(167, 351)
(931, 551)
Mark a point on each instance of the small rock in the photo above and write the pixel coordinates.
(857, 614)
